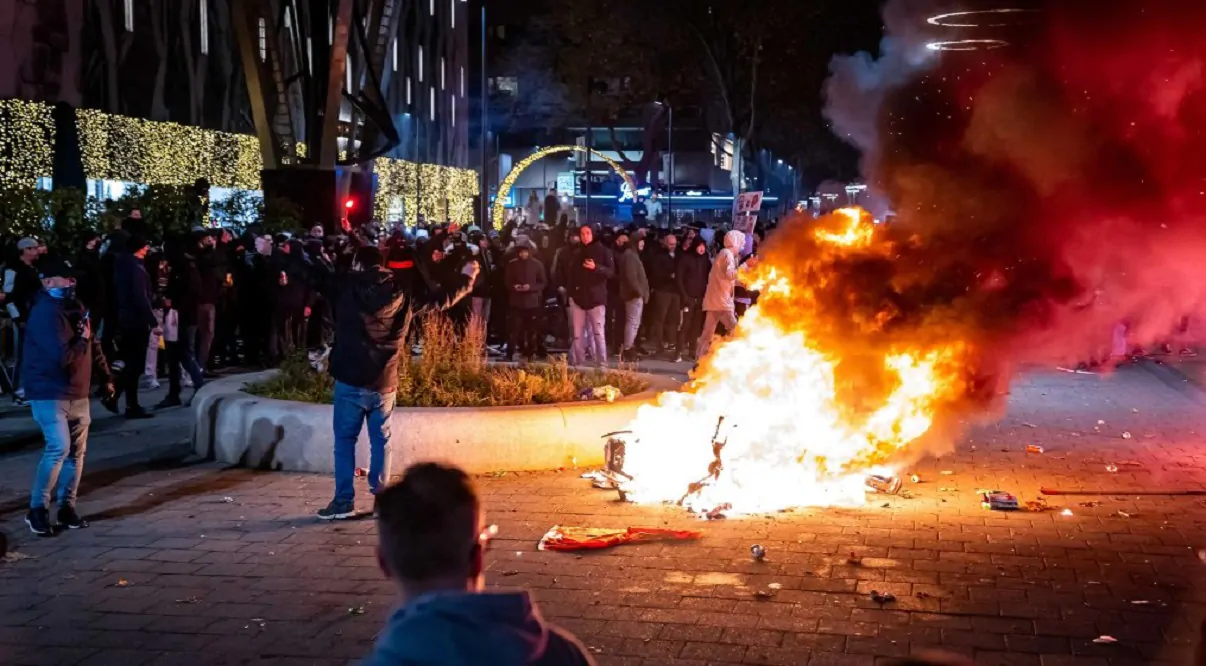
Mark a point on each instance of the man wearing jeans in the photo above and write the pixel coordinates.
(370, 307)
(589, 268)
(59, 357)
(634, 292)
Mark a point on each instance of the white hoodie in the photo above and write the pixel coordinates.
(723, 278)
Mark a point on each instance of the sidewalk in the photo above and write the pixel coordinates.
(114, 444)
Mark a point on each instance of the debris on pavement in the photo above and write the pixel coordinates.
(1122, 514)
(122, 582)
(763, 595)
(361, 471)
(946, 472)
(882, 597)
(886, 485)
(1029, 425)
(1033, 448)
(510, 572)
(1111, 468)
(1066, 512)
(15, 556)
(1105, 640)
(1140, 602)
(227, 500)
(757, 552)
(356, 610)
(1126, 435)
(915, 479)
(560, 538)
(854, 560)
(189, 600)
(1038, 505)
(775, 586)
(1092, 503)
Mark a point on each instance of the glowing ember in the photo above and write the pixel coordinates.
(801, 422)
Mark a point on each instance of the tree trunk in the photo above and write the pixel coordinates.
(70, 79)
(738, 164)
(109, 38)
(195, 66)
(226, 66)
(159, 109)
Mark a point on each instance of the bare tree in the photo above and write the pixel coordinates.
(159, 35)
(108, 29)
(196, 64)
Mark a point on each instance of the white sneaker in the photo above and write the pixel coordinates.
(149, 383)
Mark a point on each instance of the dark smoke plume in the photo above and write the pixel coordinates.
(1045, 191)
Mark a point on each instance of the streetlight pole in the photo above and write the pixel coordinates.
(484, 180)
(670, 193)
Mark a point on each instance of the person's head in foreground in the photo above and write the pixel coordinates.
(432, 539)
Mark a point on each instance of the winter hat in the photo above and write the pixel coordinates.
(137, 243)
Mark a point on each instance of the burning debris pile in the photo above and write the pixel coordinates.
(1045, 190)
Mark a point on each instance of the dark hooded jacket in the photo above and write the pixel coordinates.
(466, 629)
(58, 362)
(370, 316)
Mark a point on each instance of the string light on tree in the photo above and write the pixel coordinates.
(504, 188)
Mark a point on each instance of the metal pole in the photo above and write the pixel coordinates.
(590, 134)
(484, 199)
(670, 194)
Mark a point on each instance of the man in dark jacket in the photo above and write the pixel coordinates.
(665, 302)
(21, 285)
(588, 269)
(184, 292)
(431, 545)
(525, 281)
(211, 271)
(58, 368)
(633, 292)
(135, 319)
(692, 275)
(370, 320)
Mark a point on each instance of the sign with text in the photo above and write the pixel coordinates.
(747, 203)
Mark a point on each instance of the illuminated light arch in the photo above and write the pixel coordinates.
(1011, 17)
(968, 45)
(504, 188)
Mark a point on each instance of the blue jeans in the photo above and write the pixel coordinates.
(352, 407)
(587, 329)
(64, 424)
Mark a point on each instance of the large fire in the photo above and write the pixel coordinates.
(776, 417)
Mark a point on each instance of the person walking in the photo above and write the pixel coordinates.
(525, 280)
(21, 285)
(692, 275)
(718, 304)
(589, 268)
(61, 355)
(135, 318)
(184, 294)
(432, 541)
(371, 309)
(634, 292)
(665, 302)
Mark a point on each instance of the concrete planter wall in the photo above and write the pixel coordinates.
(238, 428)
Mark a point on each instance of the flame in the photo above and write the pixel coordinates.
(779, 401)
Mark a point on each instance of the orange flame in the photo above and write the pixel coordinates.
(790, 435)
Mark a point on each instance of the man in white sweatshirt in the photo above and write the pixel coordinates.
(718, 303)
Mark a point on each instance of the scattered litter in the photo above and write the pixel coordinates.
(591, 538)
(361, 472)
(1122, 514)
(1140, 602)
(882, 597)
(122, 582)
(497, 475)
(1092, 503)
(1029, 425)
(1105, 640)
(228, 500)
(1111, 468)
(758, 552)
(1074, 434)
(1038, 505)
(998, 500)
(1202, 556)
(604, 393)
(356, 610)
(510, 572)
(944, 489)
(762, 595)
(854, 560)
(1033, 448)
(885, 505)
(915, 479)
(946, 472)
(14, 556)
(259, 621)
(1126, 435)
(1100, 422)
(775, 586)
(1134, 410)
(1066, 512)
(190, 600)
(886, 485)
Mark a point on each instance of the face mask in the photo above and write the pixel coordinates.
(62, 293)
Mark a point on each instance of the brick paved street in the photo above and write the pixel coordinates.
(172, 573)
